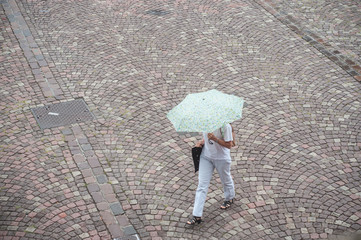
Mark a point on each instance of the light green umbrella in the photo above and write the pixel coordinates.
(205, 111)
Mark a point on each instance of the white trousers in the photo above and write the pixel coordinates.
(206, 168)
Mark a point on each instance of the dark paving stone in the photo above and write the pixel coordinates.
(116, 209)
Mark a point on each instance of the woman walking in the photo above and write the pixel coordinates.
(215, 154)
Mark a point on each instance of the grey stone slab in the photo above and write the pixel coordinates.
(102, 179)
(129, 230)
(116, 209)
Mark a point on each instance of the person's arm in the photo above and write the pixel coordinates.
(200, 143)
(220, 141)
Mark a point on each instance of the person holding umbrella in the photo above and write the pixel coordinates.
(210, 112)
(215, 155)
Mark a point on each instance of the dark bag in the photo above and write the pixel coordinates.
(196, 154)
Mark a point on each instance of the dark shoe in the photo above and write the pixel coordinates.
(227, 204)
(194, 220)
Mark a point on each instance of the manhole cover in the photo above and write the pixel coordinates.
(61, 114)
(157, 12)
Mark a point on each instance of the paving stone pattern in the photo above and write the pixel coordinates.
(42, 196)
(333, 27)
(127, 174)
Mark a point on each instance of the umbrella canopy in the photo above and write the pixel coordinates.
(205, 111)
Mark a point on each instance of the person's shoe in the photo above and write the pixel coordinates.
(227, 204)
(194, 220)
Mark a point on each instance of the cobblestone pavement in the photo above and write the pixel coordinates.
(333, 27)
(127, 174)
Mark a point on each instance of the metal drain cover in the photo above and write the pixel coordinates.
(61, 114)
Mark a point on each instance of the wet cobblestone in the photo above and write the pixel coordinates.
(127, 174)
